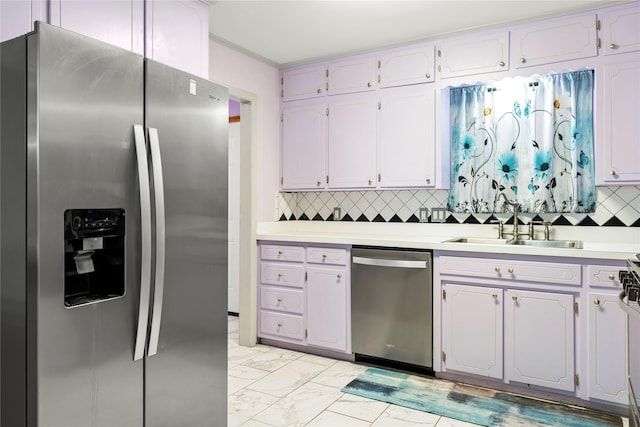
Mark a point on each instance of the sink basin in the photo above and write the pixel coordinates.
(479, 240)
(574, 244)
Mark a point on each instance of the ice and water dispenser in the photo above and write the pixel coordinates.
(94, 256)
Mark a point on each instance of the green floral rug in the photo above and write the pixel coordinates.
(472, 404)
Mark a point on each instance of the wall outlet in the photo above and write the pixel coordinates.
(438, 215)
(423, 215)
(337, 214)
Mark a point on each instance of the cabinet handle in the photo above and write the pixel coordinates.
(497, 269)
(494, 296)
(510, 270)
(612, 277)
(613, 46)
(596, 301)
(523, 60)
(501, 63)
(428, 75)
(613, 173)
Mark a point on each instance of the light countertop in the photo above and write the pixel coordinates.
(617, 243)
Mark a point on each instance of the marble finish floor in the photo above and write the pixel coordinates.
(274, 387)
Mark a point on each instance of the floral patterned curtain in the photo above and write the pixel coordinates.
(530, 138)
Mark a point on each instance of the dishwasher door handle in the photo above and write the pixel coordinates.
(377, 262)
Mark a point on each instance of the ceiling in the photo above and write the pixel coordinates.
(292, 32)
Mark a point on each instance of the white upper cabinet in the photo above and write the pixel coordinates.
(178, 35)
(618, 149)
(554, 40)
(120, 23)
(304, 146)
(356, 74)
(620, 30)
(305, 82)
(400, 67)
(482, 53)
(352, 141)
(406, 137)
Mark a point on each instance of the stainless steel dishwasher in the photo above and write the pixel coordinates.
(391, 305)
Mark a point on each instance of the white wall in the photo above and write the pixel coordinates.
(234, 69)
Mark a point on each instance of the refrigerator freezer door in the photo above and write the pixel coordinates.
(84, 97)
(186, 381)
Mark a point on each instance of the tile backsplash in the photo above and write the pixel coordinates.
(616, 206)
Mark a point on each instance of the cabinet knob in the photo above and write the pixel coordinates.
(279, 275)
(339, 276)
(319, 90)
(523, 60)
(369, 181)
(612, 173)
(596, 301)
(369, 84)
(324, 257)
(613, 46)
(497, 269)
(318, 183)
(428, 75)
(428, 180)
(612, 277)
(279, 252)
(279, 300)
(279, 325)
(501, 63)
(510, 270)
(514, 298)
(494, 296)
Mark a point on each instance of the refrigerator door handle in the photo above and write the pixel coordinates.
(158, 185)
(145, 219)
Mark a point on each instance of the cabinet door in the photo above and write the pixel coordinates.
(304, 147)
(356, 74)
(178, 35)
(400, 67)
(407, 138)
(554, 40)
(120, 23)
(472, 344)
(539, 339)
(352, 142)
(482, 53)
(326, 312)
(302, 83)
(621, 124)
(620, 30)
(607, 349)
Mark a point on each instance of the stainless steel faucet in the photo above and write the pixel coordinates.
(515, 206)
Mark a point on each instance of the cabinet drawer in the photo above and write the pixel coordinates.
(335, 256)
(282, 253)
(289, 300)
(547, 272)
(273, 273)
(604, 276)
(282, 325)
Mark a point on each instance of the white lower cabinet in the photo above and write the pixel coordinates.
(304, 295)
(508, 319)
(472, 344)
(539, 341)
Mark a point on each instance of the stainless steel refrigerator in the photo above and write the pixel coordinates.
(113, 221)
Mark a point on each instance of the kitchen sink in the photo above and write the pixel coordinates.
(572, 244)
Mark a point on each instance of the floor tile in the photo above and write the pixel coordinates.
(273, 360)
(339, 374)
(359, 407)
(288, 378)
(240, 376)
(244, 404)
(398, 416)
(331, 419)
(299, 407)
